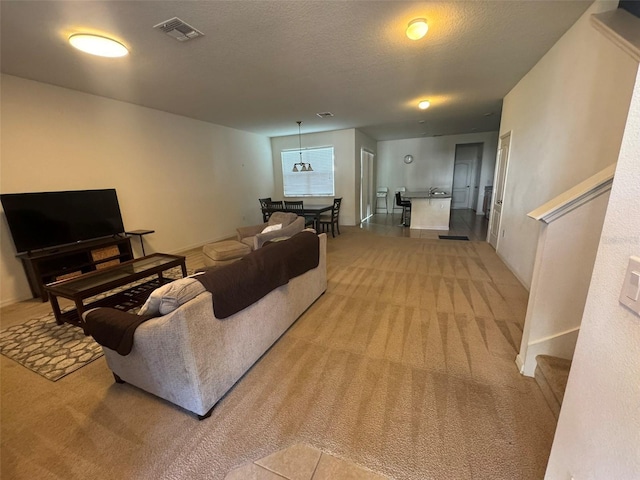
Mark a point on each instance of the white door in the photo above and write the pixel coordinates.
(366, 184)
(463, 175)
(475, 193)
(498, 191)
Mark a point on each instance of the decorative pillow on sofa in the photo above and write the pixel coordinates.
(272, 228)
(167, 298)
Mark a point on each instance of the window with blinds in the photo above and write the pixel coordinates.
(317, 183)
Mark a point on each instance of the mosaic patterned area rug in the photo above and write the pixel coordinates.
(53, 350)
(48, 349)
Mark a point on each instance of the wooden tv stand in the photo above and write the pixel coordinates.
(46, 266)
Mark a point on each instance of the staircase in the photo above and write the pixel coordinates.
(551, 375)
(569, 235)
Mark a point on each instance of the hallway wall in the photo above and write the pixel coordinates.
(566, 117)
(433, 162)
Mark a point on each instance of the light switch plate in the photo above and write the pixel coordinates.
(630, 294)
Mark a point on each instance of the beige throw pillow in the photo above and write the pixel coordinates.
(166, 299)
(272, 228)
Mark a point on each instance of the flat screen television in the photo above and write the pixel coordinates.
(44, 220)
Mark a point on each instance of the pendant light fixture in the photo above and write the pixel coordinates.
(304, 167)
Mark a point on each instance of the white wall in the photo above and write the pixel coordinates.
(433, 162)
(598, 434)
(344, 145)
(564, 263)
(566, 117)
(190, 181)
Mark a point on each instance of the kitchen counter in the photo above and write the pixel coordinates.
(425, 194)
(429, 211)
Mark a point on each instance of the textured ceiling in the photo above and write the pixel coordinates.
(262, 65)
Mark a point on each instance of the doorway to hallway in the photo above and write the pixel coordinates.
(466, 176)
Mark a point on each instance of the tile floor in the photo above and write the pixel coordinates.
(462, 222)
(301, 462)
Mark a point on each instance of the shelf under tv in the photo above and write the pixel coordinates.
(52, 264)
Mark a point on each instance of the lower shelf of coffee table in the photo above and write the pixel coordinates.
(125, 300)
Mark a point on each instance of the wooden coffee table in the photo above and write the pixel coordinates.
(90, 284)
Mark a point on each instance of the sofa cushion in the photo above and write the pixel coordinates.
(225, 250)
(285, 218)
(167, 298)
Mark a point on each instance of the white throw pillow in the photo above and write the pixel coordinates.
(167, 298)
(272, 228)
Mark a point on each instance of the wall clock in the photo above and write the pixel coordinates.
(408, 159)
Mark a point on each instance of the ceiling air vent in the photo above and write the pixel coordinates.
(176, 28)
(324, 114)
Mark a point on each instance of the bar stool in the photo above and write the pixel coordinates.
(382, 193)
(406, 208)
(395, 205)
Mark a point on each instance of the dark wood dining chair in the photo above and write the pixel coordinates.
(276, 205)
(263, 205)
(333, 219)
(297, 206)
(294, 205)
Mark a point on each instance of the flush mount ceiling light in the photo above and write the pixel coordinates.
(304, 167)
(98, 45)
(417, 28)
(424, 104)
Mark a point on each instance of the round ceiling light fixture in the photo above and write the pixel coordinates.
(98, 45)
(424, 104)
(417, 28)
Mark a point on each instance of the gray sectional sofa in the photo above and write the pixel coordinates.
(191, 358)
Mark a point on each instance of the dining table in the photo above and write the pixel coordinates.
(306, 211)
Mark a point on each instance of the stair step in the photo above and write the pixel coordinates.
(551, 375)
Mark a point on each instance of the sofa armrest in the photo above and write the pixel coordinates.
(113, 328)
(289, 231)
(244, 232)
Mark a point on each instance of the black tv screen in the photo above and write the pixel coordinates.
(50, 219)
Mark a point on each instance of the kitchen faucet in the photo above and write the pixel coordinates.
(432, 190)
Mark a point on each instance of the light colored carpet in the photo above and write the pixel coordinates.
(405, 366)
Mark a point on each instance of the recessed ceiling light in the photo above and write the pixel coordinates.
(417, 28)
(424, 104)
(97, 45)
